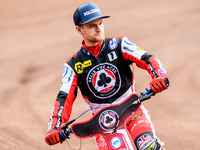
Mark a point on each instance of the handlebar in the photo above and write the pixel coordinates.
(148, 93)
(65, 133)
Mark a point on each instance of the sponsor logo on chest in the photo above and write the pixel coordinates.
(104, 80)
(79, 67)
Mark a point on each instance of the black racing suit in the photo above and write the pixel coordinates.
(104, 79)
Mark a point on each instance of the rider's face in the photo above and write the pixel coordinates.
(92, 32)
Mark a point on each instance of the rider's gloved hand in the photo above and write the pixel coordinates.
(52, 137)
(159, 84)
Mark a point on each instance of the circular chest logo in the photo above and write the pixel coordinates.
(104, 80)
(108, 119)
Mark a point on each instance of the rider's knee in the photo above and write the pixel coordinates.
(146, 141)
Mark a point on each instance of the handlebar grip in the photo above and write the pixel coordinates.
(65, 134)
(62, 137)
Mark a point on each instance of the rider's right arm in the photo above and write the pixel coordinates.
(65, 98)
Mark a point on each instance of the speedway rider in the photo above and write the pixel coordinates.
(103, 71)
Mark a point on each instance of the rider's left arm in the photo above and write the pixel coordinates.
(146, 61)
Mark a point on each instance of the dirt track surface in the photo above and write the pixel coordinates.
(37, 37)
